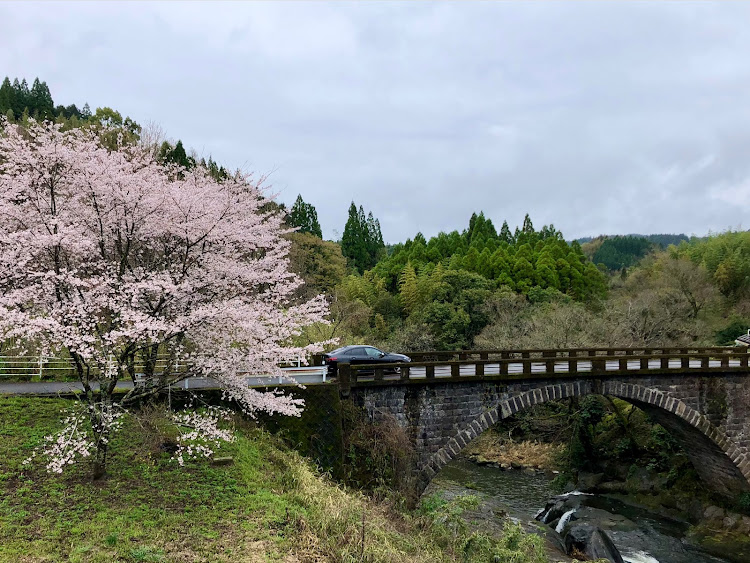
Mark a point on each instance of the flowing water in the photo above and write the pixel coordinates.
(639, 535)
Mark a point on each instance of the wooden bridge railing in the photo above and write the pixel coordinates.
(544, 364)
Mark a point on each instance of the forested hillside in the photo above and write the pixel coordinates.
(480, 288)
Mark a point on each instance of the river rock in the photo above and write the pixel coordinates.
(557, 507)
(612, 487)
(730, 520)
(604, 519)
(587, 482)
(481, 460)
(578, 535)
(744, 525)
(554, 509)
(694, 510)
(643, 481)
(600, 546)
(713, 513)
(615, 471)
(591, 541)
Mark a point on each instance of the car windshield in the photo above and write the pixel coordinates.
(338, 350)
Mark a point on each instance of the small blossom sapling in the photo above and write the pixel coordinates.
(76, 439)
(112, 256)
(200, 433)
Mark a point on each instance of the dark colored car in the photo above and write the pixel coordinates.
(360, 354)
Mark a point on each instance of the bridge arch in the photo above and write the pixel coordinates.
(728, 472)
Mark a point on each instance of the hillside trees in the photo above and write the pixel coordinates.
(665, 300)
(17, 99)
(175, 155)
(440, 286)
(516, 322)
(621, 252)
(726, 257)
(107, 256)
(304, 216)
(362, 241)
(521, 261)
(319, 262)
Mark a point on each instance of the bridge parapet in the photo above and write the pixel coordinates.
(509, 365)
(436, 356)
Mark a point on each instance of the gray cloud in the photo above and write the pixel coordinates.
(598, 117)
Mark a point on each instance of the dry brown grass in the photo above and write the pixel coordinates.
(333, 531)
(497, 448)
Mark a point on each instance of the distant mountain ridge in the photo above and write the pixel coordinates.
(663, 240)
(616, 252)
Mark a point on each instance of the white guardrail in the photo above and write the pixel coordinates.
(40, 368)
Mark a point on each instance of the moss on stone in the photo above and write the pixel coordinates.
(317, 433)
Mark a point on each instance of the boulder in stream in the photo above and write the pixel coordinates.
(592, 542)
(588, 482)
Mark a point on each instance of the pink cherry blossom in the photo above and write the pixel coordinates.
(110, 256)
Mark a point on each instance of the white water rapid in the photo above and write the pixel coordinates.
(564, 520)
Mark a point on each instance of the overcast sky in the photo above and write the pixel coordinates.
(598, 117)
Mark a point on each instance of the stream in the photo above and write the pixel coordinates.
(639, 535)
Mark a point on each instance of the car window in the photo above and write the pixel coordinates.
(359, 351)
(372, 352)
(338, 350)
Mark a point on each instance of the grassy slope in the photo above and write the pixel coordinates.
(268, 505)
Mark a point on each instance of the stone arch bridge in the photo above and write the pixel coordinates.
(445, 400)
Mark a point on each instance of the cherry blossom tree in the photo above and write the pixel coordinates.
(113, 257)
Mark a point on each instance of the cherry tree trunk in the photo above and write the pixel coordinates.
(100, 460)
